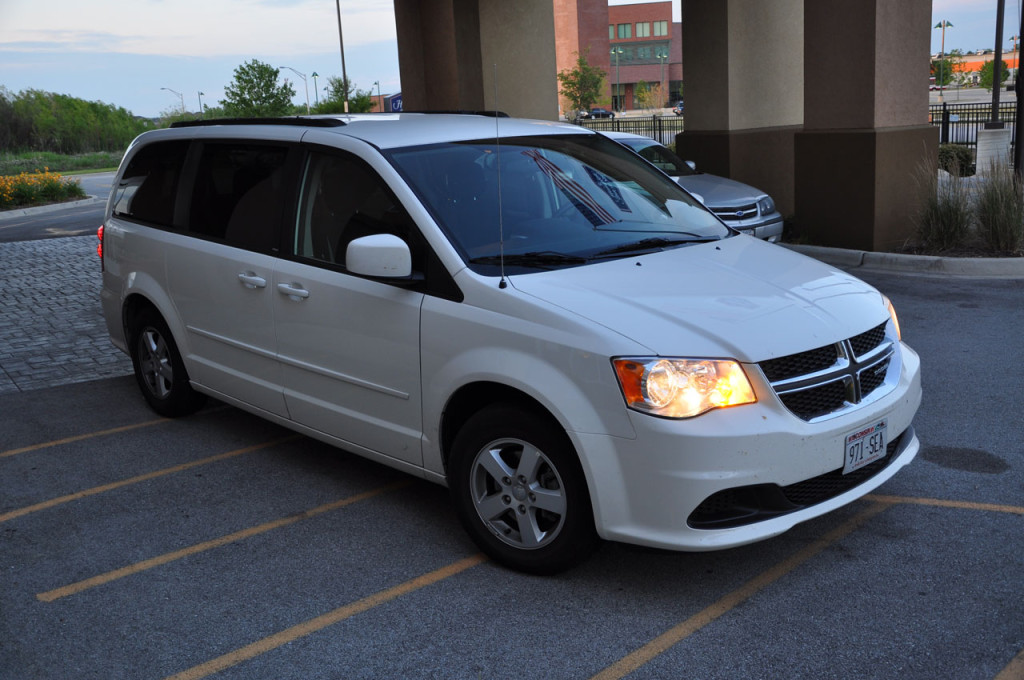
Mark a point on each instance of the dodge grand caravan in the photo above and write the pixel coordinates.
(524, 311)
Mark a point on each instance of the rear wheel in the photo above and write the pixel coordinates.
(159, 369)
(520, 492)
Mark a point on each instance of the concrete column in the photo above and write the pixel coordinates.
(866, 131)
(449, 52)
(744, 62)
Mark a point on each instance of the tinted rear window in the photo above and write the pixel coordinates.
(148, 188)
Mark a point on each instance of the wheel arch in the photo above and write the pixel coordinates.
(474, 397)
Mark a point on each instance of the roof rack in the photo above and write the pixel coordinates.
(462, 112)
(291, 120)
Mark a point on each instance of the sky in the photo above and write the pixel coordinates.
(124, 52)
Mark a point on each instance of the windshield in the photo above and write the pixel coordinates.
(563, 201)
(663, 158)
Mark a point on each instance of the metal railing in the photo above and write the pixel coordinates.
(959, 123)
(661, 128)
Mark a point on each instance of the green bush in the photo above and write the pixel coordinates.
(956, 159)
(1000, 206)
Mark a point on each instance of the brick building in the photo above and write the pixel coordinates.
(632, 43)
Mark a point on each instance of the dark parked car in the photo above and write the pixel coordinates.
(599, 113)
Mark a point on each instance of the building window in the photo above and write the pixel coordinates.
(643, 30)
(625, 31)
(660, 28)
(611, 31)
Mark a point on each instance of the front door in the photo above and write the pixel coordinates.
(348, 346)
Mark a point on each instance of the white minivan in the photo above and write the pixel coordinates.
(524, 311)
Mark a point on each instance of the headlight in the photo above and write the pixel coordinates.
(766, 205)
(892, 315)
(682, 388)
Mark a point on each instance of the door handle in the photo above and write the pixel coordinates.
(293, 290)
(251, 280)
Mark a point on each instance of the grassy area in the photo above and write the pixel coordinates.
(45, 161)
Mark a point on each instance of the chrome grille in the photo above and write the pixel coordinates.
(736, 212)
(831, 379)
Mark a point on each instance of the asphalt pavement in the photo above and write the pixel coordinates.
(133, 546)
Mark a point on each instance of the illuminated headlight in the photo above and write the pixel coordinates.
(682, 388)
(766, 205)
(892, 315)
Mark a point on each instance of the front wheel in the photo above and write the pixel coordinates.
(519, 491)
(159, 369)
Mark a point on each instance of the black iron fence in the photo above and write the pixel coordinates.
(959, 123)
(661, 128)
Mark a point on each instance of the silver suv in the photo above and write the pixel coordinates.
(524, 311)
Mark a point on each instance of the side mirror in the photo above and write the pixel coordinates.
(383, 256)
(693, 166)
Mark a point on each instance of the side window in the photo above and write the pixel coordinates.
(149, 186)
(343, 199)
(240, 194)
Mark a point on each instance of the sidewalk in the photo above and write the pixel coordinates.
(51, 329)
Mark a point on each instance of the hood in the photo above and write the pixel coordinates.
(737, 298)
(719, 191)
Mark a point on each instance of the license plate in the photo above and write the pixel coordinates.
(864, 447)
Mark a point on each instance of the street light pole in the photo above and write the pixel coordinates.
(618, 82)
(661, 83)
(380, 98)
(200, 104)
(997, 65)
(180, 96)
(316, 93)
(942, 52)
(306, 84)
(341, 42)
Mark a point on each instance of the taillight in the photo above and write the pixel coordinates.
(99, 248)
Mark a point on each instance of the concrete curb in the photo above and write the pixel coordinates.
(982, 267)
(53, 207)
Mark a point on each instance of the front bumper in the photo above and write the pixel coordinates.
(686, 484)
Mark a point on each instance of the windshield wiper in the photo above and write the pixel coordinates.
(532, 259)
(652, 244)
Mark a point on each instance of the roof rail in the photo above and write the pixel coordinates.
(291, 120)
(462, 112)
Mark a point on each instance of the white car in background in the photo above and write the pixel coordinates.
(739, 205)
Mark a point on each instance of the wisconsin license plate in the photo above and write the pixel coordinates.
(865, 446)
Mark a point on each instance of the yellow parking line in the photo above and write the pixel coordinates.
(939, 503)
(135, 480)
(72, 589)
(330, 618)
(1015, 669)
(666, 640)
(80, 437)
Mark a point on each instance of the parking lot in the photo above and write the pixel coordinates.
(219, 544)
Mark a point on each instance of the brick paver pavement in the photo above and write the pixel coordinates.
(51, 328)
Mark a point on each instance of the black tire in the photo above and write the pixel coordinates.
(159, 369)
(533, 515)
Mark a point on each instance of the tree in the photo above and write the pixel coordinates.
(581, 85)
(338, 89)
(254, 93)
(942, 71)
(986, 74)
(646, 94)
